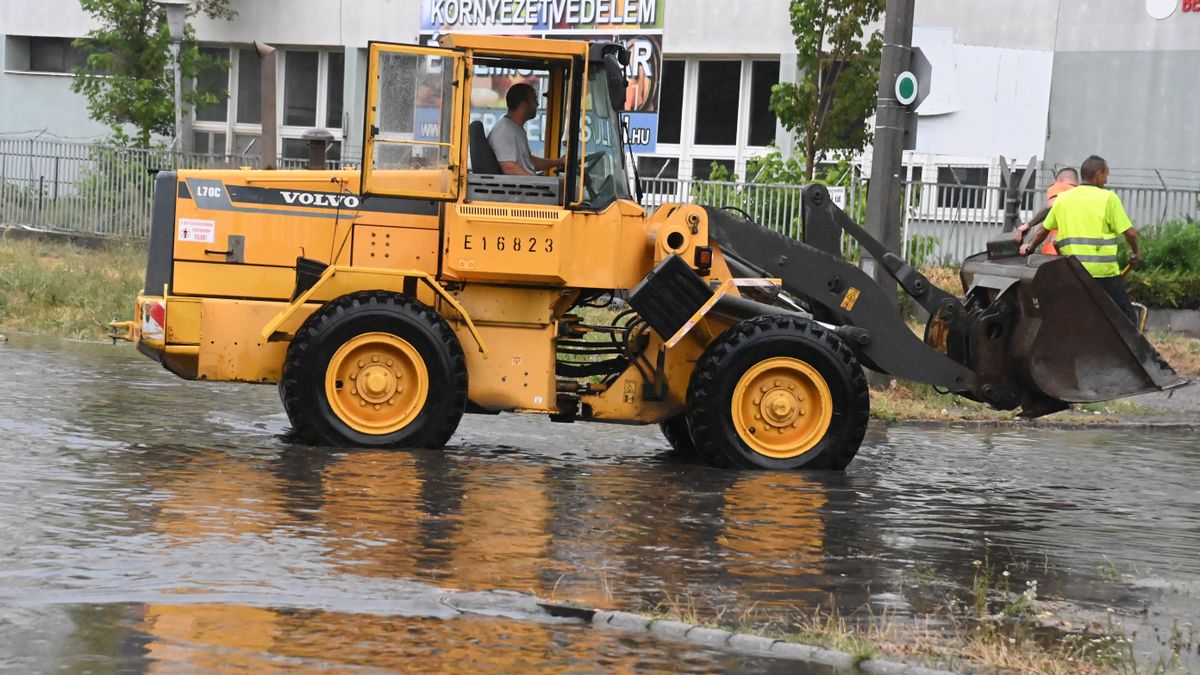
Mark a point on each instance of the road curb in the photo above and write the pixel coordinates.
(753, 645)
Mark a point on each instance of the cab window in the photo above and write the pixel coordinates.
(604, 176)
(490, 82)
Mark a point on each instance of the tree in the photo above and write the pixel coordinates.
(127, 77)
(838, 76)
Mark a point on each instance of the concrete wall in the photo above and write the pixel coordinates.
(719, 27)
(1013, 24)
(1137, 109)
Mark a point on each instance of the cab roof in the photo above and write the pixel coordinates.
(503, 45)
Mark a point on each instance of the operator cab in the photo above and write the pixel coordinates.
(420, 116)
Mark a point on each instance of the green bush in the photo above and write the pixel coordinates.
(1172, 290)
(1169, 274)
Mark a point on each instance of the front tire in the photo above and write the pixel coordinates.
(375, 369)
(675, 430)
(778, 392)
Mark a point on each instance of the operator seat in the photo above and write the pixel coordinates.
(483, 158)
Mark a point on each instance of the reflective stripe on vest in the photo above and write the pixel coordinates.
(1098, 254)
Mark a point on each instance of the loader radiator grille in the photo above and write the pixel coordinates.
(669, 295)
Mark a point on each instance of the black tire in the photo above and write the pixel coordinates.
(764, 340)
(303, 387)
(675, 430)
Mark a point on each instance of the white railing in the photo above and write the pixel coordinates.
(951, 222)
(93, 189)
(79, 187)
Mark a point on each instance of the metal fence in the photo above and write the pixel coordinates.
(946, 223)
(80, 187)
(93, 189)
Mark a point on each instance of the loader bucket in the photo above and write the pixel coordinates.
(1043, 334)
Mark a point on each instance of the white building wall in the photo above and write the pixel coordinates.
(984, 101)
(694, 30)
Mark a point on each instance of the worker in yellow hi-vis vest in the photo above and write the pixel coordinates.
(1088, 220)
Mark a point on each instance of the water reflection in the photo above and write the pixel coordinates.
(139, 490)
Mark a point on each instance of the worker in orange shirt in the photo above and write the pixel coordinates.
(1066, 179)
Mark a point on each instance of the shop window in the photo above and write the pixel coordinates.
(962, 187)
(702, 169)
(670, 102)
(763, 76)
(717, 94)
(300, 89)
(214, 79)
(249, 105)
(334, 89)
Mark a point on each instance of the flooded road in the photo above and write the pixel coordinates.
(153, 521)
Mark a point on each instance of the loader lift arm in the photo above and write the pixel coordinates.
(841, 294)
(1036, 333)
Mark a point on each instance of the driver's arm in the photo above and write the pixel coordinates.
(515, 169)
(542, 164)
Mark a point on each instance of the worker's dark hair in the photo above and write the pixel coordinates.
(518, 94)
(1092, 166)
(1067, 172)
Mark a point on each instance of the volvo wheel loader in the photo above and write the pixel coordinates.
(386, 302)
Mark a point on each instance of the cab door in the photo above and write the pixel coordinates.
(413, 131)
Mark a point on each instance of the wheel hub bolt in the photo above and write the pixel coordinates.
(377, 406)
(374, 359)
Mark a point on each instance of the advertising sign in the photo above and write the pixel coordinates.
(637, 23)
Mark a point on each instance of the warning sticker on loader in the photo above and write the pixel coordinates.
(203, 231)
(850, 299)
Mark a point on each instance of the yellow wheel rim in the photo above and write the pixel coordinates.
(376, 383)
(782, 408)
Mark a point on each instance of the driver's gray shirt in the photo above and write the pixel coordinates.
(511, 144)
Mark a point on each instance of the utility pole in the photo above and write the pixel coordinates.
(891, 117)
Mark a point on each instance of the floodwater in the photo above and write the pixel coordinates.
(155, 523)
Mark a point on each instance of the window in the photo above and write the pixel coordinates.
(962, 187)
(670, 102)
(313, 83)
(214, 79)
(249, 94)
(335, 84)
(650, 168)
(208, 143)
(35, 54)
(717, 93)
(763, 76)
(702, 169)
(297, 148)
(300, 89)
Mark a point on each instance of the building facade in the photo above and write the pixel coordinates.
(1055, 81)
(711, 53)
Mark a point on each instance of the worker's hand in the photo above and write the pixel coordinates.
(1024, 250)
(1134, 259)
(1019, 234)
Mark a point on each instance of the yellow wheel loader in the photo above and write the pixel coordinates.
(386, 302)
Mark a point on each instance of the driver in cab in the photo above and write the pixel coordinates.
(509, 140)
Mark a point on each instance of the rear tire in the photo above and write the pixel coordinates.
(375, 369)
(778, 392)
